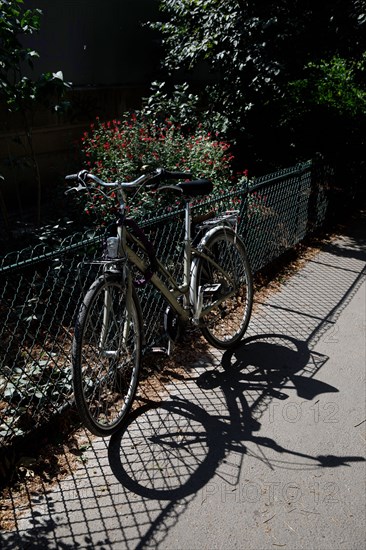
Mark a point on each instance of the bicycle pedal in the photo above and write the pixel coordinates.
(211, 288)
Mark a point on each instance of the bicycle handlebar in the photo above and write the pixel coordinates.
(152, 178)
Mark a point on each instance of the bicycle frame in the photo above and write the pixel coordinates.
(109, 332)
(192, 303)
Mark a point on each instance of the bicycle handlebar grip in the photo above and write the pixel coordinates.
(71, 177)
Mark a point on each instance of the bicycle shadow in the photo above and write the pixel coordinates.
(172, 449)
(169, 452)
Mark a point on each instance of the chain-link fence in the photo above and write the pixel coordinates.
(41, 288)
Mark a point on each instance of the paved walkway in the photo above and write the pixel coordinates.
(263, 448)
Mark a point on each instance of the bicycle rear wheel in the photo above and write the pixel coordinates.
(106, 354)
(225, 287)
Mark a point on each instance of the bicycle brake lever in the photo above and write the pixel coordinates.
(80, 187)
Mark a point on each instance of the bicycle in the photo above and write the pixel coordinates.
(216, 295)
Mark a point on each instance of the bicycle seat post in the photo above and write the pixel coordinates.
(187, 243)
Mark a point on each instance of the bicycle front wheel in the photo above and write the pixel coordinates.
(225, 288)
(106, 354)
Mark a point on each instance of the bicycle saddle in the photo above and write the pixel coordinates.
(192, 188)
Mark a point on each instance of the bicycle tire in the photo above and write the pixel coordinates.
(224, 326)
(106, 355)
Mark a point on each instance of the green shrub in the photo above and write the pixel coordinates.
(120, 150)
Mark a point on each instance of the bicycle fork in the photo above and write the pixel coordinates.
(109, 318)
